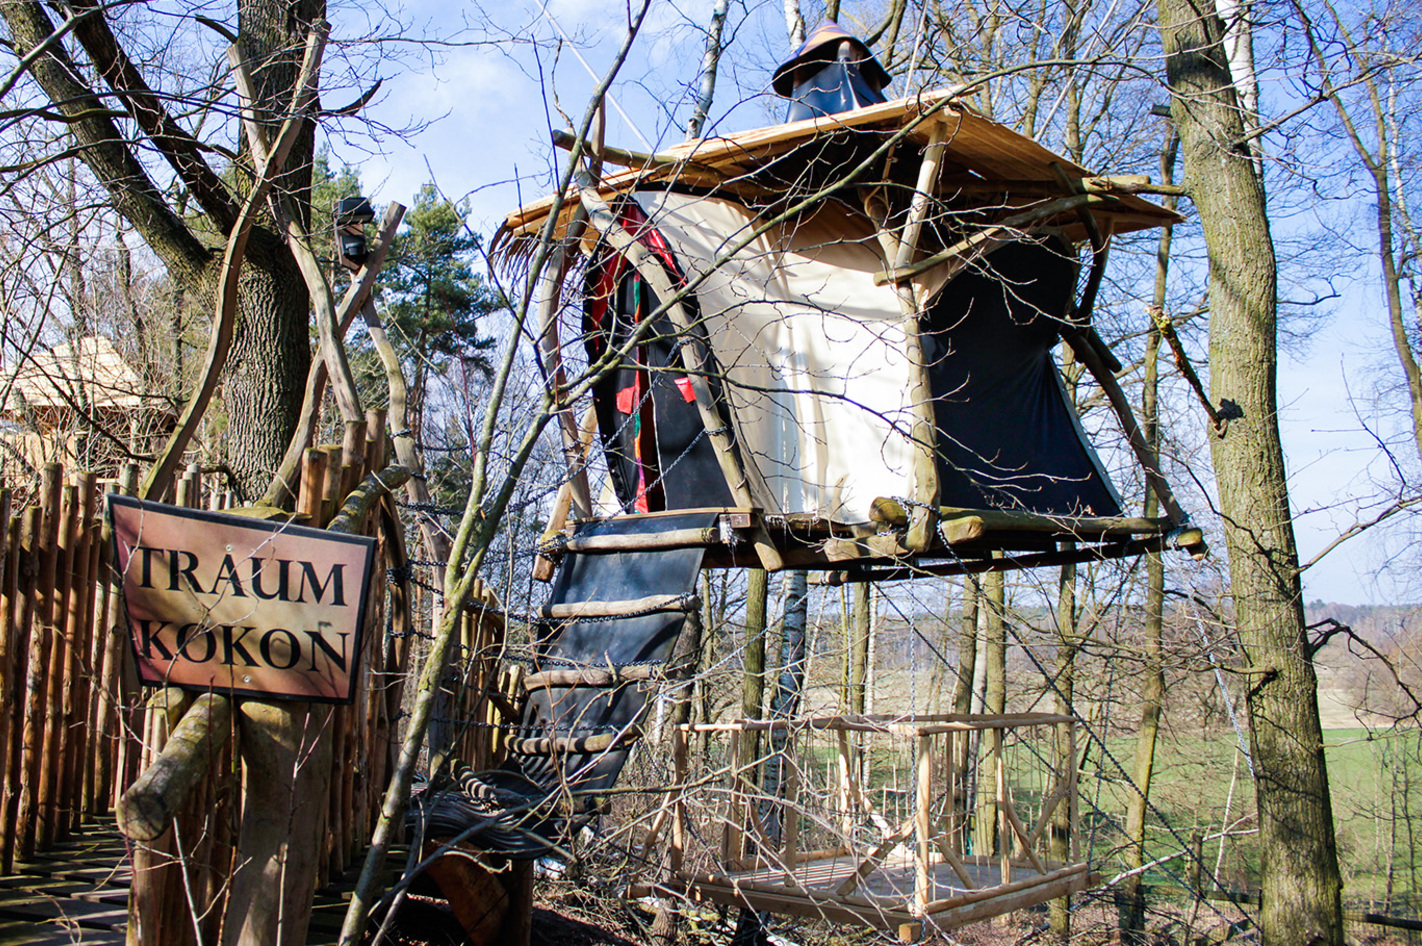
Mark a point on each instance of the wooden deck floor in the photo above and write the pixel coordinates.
(885, 898)
(77, 893)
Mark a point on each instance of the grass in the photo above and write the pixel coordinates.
(1376, 785)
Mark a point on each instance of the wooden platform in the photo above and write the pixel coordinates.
(964, 542)
(77, 892)
(885, 898)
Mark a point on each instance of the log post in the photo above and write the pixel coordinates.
(287, 756)
(286, 772)
(157, 908)
(120, 676)
(899, 252)
(148, 807)
(923, 891)
(59, 673)
(12, 683)
(79, 629)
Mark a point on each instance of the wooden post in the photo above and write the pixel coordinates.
(32, 652)
(12, 682)
(680, 738)
(791, 816)
(923, 891)
(79, 629)
(157, 906)
(899, 251)
(287, 754)
(97, 746)
(120, 676)
(1004, 830)
(1072, 800)
(34, 785)
(150, 804)
(60, 562)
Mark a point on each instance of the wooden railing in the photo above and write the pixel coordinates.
(895, 823)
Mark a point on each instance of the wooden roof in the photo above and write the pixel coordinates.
(986, 165)
(90, 373)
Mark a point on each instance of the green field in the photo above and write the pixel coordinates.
(1203, 780)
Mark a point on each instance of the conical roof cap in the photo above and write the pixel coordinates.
(827, 33)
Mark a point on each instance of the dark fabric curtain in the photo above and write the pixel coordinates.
(1007, 437)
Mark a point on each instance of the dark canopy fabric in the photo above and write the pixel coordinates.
(1008, 438)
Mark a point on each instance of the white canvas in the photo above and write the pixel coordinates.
(812, 350)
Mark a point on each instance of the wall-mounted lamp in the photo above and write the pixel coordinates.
(352, 215)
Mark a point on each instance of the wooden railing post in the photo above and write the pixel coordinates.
(923, 824)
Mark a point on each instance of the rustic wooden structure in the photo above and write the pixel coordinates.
(937, 187)
(57, 400)
(735, 290)
(81, 740)
(872, 819)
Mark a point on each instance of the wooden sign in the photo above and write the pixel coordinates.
(245, 606)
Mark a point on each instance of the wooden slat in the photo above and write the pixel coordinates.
(651, 542)
(651, 604)
(591, 677)
(551, 745)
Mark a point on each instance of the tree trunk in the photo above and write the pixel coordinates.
(858, 648)
(709, 64)
(271, 344)
(267, 367)
(1068, 645)
(1299, 860)
(967, 648)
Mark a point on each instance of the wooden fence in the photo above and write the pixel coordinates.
(77, 729)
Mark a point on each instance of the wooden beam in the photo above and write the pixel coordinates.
(633, 607)
(1145, 454)
(977, 566)
(891, 512)
(591, 677)
(960, 254)
(557, 745)
(899, 250)
(146, 810)
(650, 542)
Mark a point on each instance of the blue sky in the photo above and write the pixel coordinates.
(489, 108)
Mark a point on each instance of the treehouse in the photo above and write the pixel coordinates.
(842, 330)
(80, 403)
(824, 345)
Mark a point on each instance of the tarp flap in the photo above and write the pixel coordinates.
(1008, 438)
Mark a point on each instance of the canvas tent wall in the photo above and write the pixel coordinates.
(816, 373)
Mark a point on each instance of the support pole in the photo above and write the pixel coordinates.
(899, 251)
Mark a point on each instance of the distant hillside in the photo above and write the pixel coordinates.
(1375, 622)
(1351, 682)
